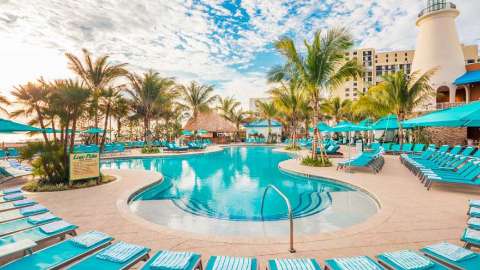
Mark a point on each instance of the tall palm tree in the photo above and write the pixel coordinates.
(32, 98)
(4, 101)
(337, 108)
(97, 74)
(288, 99)
(120, 110)
(226, 106)
(321, 70)
(109, 96)
(398, 94)
(267, 110)
(149, 92)
(196, 98)
(237, 117)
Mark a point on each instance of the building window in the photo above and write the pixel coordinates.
(470, 61)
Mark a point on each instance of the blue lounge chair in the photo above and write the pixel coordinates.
(456, 150)
(62, 253)
(9, 191)
(372, 160)
(106, 258)
(306, 264)
(387, 146)
(174, 147)
(185, 261)
(406, 259)
(42, 233)
(467, 151)
(418, 148)
(22, 212)
(471, 238)
(453, 256)
(16, 204)
(395, 148)
(359, 262)
(26, 223)
(11, 197)
(225, 262)
(406, 148)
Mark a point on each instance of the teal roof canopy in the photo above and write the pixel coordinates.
(263, 123)
(467, 115)
(469, 77)
(388, 122)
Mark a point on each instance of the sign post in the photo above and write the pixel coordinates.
(84, 166)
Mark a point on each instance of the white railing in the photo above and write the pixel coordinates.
(446, 105)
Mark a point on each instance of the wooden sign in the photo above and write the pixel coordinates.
(84, 166)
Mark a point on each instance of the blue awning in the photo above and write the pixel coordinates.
(469, 77)
(263, 123)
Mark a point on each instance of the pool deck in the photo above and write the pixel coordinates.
(410, 216)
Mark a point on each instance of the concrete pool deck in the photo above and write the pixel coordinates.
(410, 216)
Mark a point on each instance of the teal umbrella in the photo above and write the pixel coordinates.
(386, 123)
(202, 132)
(467, 115)
(50, 130)
(345, 126)
(322, 127)
(7, 126)
(366, 124)
(92, 131)
(253, 131)
(187, 133)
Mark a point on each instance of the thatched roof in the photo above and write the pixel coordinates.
(211, 122)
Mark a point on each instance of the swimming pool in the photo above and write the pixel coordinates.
(229, 185)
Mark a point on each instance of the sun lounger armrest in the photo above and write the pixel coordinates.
(23, 245)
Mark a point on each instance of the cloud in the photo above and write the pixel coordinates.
(209, 41)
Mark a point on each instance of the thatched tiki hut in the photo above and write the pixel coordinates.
(219, 129)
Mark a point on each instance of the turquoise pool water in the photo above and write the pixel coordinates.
(229, 185)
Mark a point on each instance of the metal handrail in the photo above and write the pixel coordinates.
(437, 7)
(289, 208)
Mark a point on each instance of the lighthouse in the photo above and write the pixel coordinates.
(438, 47)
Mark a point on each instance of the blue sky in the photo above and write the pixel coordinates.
(225, 43)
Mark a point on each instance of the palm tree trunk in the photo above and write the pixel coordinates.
(400, 128)
(104, 136)
(119, 127)
(315, 130)
(42, 124)
(269, 130)
(54, 132)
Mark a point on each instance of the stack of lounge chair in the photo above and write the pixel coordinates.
(10, 169)
(373, 160)
(456, 166)
(114, 148)
(173, 147)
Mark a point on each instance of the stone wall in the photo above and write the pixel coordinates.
(450, 136)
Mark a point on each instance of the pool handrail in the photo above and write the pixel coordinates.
(289, 208)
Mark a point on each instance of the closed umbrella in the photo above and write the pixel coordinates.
(7, 126)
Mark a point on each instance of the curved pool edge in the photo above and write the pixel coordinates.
(379, 217)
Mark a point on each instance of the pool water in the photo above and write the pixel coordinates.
(229, 185)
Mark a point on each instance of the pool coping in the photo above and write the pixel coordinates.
(383, 213)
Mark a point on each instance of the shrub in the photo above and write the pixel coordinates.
(150, 150)
(37, 186)
(293, 148)
(318, 162)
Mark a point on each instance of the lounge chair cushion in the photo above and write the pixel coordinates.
(54, 227)
(409, 260)
(356, 263)
(31, 210)
(294, 264)
(474, 212)
(172, 260)
(38, 219)
(451, 252)
(89, 239)
(474, 202)
(120, 252)
(474, 222)
(232, 263)
(11, 191)
(24, 202)
(13, 197)
(472, 234)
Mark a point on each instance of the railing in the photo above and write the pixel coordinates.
(436, 7)
(289, 208)
(446, 105)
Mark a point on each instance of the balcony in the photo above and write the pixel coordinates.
(446, 105)
(437, 7)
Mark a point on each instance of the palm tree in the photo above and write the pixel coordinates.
(196, 98)
(4, 101)
(398, 94)
(321, 70)
(267, 110)
(288, 99)
(226, 106)
(149, 93)
(120, 110)
(32, 98)
(337, 108)
(108, 97)
(97, 74)
(237, 117)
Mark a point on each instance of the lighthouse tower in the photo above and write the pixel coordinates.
(438, 47)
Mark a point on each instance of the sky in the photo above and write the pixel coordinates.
(228, 44)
